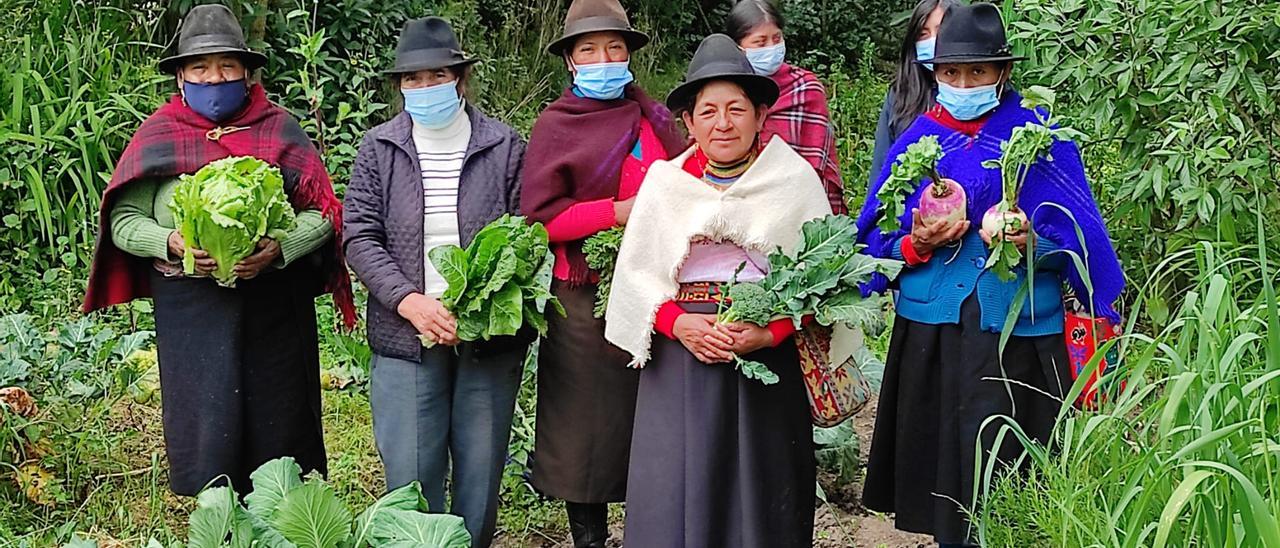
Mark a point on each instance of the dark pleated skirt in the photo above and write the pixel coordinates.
(239, 376)
(718, 459)
(586, 406)
(939, 387)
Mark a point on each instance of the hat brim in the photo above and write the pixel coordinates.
(430, 65)
(251, 59)
(760, 89)
(963, 59)
(635, 39)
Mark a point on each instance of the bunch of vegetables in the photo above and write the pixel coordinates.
(945, 198)
(284, 511)
(601, 251)
(822, 279)
(1026, 146)
(226, 207)
(500, 282)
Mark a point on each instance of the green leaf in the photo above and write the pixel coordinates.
(756, 371)
(271, 482)
(451, 262)
(849, 308)
(917, 162)
(395, 527)
(311, 516)
(217, 519)
(506, 313)
(837, 450)
(408, 498)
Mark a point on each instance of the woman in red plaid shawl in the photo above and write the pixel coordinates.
(800, 116)
(239, 367)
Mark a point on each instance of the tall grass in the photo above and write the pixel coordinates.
(78, 84)
(1187, 454)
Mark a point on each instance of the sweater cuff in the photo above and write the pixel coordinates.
(665, 322)
(581, 220)
(310, 232)
(782, 330)
(150, 241)
(909, 254)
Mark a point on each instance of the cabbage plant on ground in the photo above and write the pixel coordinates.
(284, 511)
(500, 282)
(226, 207)
(823, 279)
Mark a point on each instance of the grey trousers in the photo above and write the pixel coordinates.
(455, 405)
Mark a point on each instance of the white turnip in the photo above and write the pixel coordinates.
(999, 222)
(944, 199)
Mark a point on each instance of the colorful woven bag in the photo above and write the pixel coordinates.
(836, 391)
(1085, 335)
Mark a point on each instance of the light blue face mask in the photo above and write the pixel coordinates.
(969, 103)
(925, 49)
(433, 107)
(767, 60)
(603, 81)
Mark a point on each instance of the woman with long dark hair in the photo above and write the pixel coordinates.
(913, 87)
(800, 115)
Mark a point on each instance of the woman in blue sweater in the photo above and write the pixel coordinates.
(946, 373)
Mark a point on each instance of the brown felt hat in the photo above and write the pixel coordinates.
(588, 16)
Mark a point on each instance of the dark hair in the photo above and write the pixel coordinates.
(913, 86)
(749, 14)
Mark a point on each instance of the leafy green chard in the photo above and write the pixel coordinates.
(285, 511)
(601, 251)
(499, 283)
(1026, 146)
(919, 161)
(823, 279)
(226, 207)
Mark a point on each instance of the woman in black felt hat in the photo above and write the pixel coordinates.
(947, 371)
(717, 459)
(434, 175)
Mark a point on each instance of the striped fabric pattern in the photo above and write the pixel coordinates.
(441, 153)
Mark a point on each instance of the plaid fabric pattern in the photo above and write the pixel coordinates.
(800, 117)
(175, 141)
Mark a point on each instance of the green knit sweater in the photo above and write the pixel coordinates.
(141, 223)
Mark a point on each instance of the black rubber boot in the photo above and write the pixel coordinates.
(589, 524)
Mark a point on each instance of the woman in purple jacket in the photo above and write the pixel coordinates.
(434, 175)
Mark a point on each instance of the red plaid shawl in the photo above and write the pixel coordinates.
(800, 117)
(175, 141)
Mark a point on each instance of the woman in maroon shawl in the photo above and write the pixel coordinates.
(239, 367)
(587, 155)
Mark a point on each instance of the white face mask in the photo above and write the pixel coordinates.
(768, 59)
(969, 103)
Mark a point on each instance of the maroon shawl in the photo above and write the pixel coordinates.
(576, 151)
(175, 141)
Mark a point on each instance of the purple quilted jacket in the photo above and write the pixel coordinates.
(382, 228)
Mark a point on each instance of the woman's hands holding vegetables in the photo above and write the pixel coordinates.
(205, 265)
(926, 238)
(430, 318)
(700, 335)
(250, 267)
(1018, 238)
(748, 337)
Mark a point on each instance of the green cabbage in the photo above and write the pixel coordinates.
(226, 207)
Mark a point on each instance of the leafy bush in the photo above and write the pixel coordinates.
(283, 510)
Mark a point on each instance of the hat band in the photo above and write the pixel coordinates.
(210, 41)
(428, 59)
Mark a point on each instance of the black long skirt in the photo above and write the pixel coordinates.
(718, 459)
(940, 385)
(239, 376)
(586, 406)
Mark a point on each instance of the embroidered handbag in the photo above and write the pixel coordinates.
(1084, 335)
(836, 391)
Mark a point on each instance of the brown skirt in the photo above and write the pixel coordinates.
(586, 406)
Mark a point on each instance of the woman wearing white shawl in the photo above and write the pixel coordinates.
(716, 459)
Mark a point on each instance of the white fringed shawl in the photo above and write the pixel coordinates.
(762, 210)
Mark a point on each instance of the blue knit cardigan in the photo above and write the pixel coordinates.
(1053, 184)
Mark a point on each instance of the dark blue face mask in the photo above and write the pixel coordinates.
(217, 102)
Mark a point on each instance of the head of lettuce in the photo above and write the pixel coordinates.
(226, 207)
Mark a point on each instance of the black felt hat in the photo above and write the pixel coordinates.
(428, 44)
(720, 58)
(208, 29)
(971, 34)
(588, 16)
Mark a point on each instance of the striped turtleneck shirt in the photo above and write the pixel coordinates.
(440, 156)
